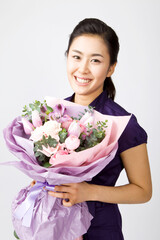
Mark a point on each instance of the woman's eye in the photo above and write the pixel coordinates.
(76, 57)
(95, 60)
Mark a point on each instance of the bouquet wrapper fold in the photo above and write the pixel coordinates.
(36, 214)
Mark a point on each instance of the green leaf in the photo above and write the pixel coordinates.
(89, 125)
(49, 109)
(38, 154)
(42, 158)
(63, 135)
(52, 142)
(99, 135)
(44, 141)
(47, 164)
(40, 147)
(31, 105)
(37, 103)
(35, 147)
(38, 109)
(15, 234)
(99, 128)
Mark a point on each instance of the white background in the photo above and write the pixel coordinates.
(33, 38)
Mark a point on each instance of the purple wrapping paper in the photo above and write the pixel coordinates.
(49, 218)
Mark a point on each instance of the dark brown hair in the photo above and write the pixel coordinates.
(98, 27)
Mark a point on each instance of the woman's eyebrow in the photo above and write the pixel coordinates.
(92, 55)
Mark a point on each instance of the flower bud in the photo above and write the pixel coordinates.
(87, 118)
(74, 129)
(72, 142)
(28, 127)
(36, 120)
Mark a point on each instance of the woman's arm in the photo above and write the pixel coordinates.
(139, 189)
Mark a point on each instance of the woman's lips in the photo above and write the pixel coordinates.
(82, 81)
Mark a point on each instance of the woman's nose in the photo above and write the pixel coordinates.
(83, 67)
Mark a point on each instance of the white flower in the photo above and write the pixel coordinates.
(37, 134)
(50, 128)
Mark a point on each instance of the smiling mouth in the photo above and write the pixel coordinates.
(80, 80)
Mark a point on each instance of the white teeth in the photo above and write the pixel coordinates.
(82, 80)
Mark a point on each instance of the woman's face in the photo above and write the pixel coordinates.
(88, 64)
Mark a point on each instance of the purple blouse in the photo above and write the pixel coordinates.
(107, 222)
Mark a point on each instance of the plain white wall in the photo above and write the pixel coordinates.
(33, 38)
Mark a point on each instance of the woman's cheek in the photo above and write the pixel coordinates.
(100, 73)
(71, 68)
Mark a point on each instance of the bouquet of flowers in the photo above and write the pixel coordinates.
(58, 142)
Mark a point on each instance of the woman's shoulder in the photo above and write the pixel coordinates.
(113, 108)
(134, 134)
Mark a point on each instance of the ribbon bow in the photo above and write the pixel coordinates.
(25, 210)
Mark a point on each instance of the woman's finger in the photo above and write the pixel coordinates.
(58, 195)
(62, 189)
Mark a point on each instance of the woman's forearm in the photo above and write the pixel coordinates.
(125, 194)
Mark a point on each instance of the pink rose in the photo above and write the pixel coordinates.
(72, 142)
(66, 124)
(60, 152)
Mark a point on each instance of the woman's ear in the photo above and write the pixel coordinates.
(111, 69)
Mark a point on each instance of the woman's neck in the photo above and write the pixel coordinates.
(85, 100)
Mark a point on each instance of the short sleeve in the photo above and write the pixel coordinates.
(132, 136)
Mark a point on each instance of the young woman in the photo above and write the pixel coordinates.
(91, 61)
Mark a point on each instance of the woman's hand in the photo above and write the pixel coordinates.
(73, 192)
(33, 183)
